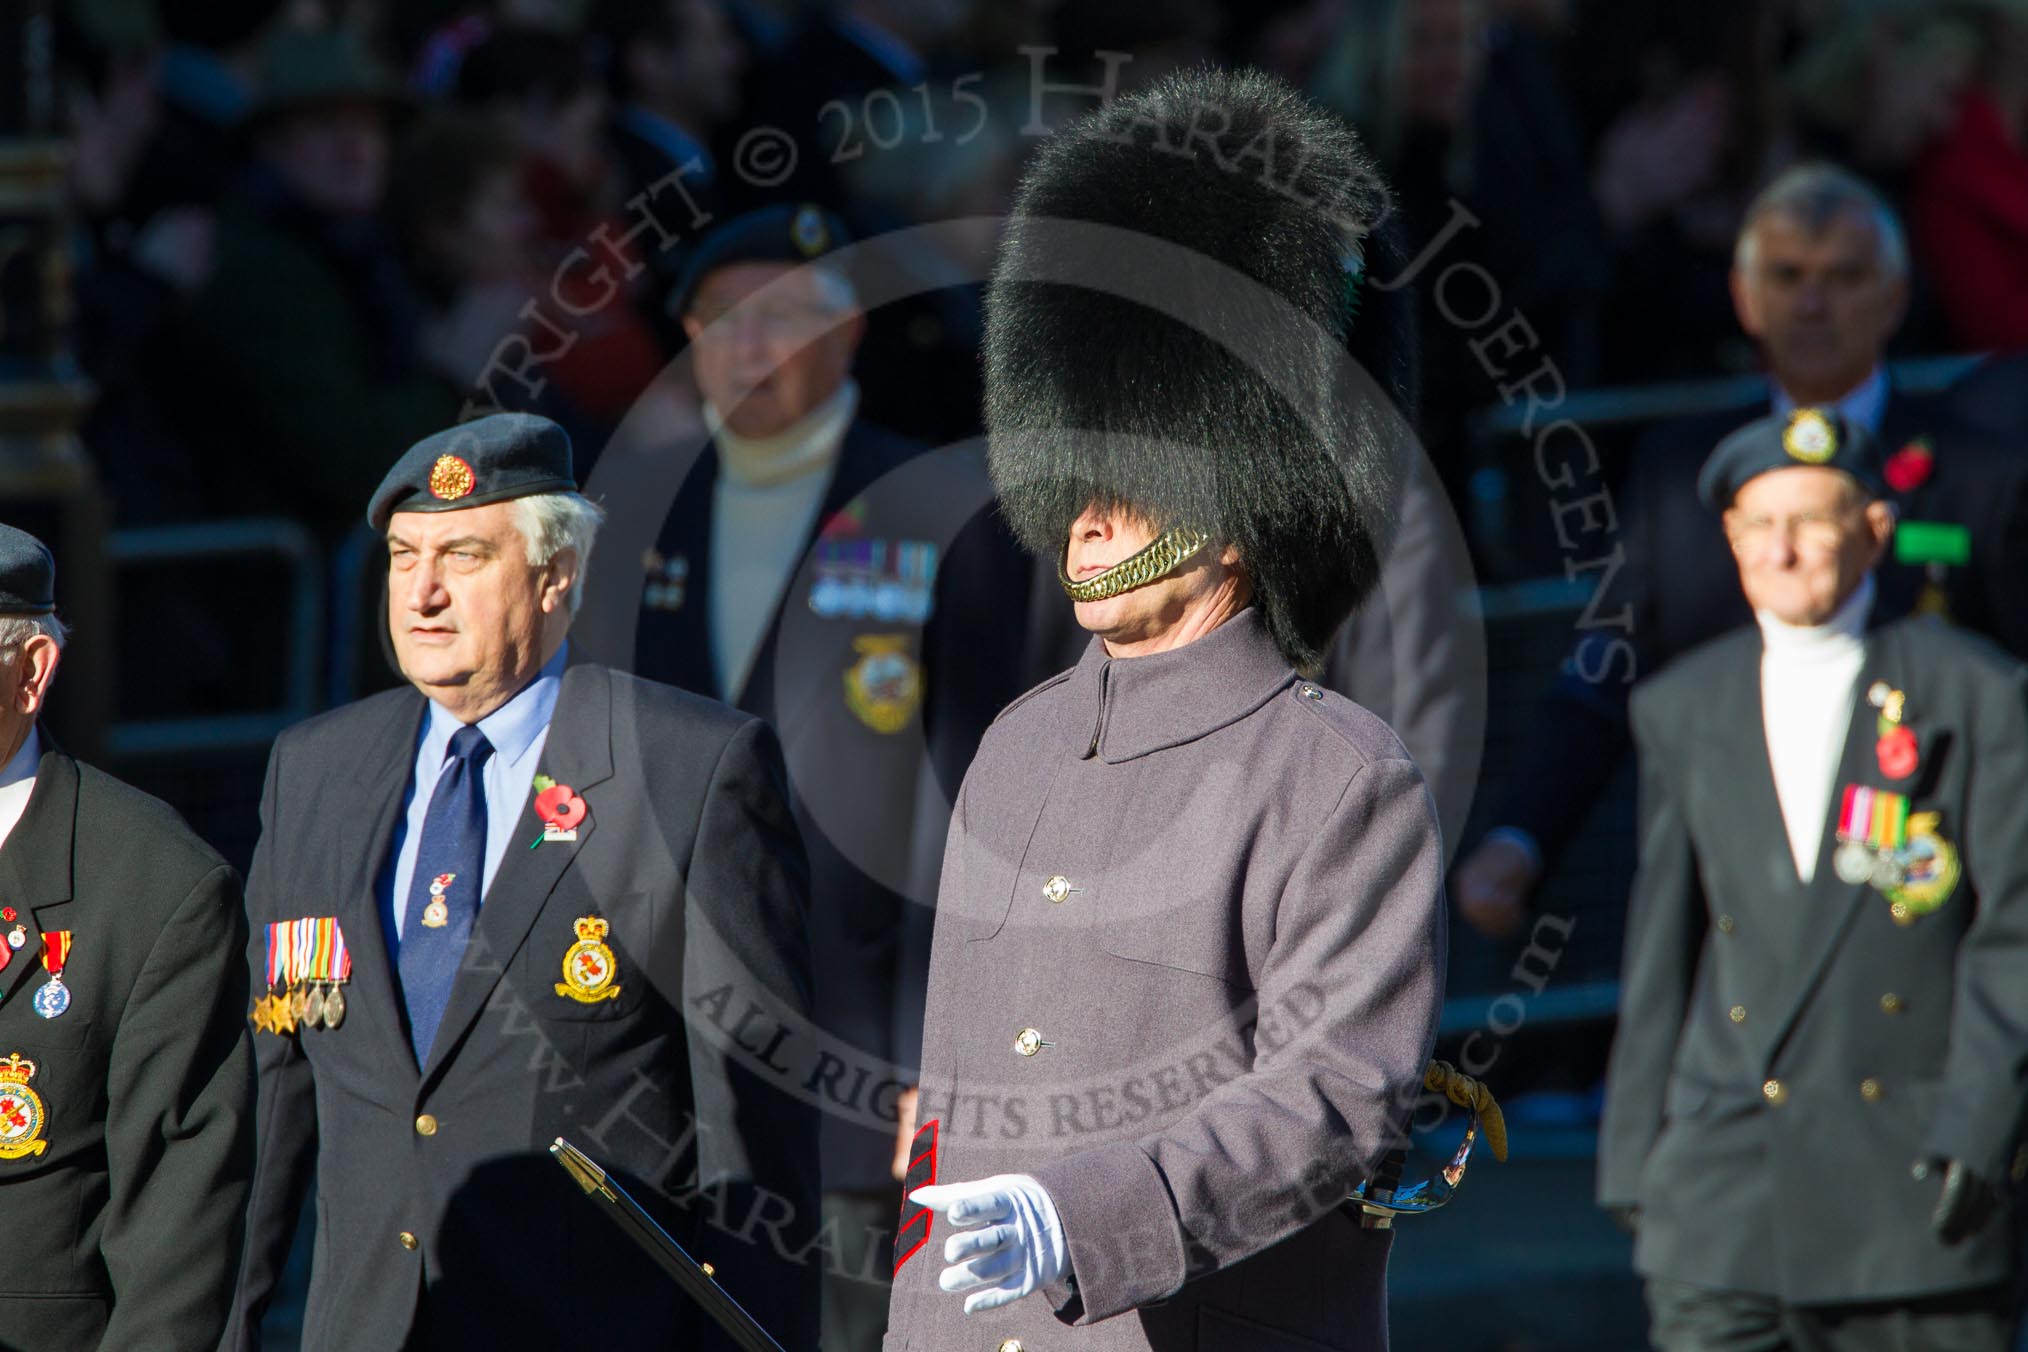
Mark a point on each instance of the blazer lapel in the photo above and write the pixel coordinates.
(578, 752)
(1830, 903)
(1742, 780)
(381, 776)
(35, 863)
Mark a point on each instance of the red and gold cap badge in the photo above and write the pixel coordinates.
(451, 478)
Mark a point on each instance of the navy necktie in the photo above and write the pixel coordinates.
(443, 897)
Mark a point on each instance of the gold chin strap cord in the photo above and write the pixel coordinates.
(1158, 559)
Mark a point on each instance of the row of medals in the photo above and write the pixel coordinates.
(307, 1004)
(1856, 862)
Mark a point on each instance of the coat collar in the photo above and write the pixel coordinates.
(1122, 708)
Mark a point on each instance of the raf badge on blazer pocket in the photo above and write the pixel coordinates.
(588, 965)
(22, 1116)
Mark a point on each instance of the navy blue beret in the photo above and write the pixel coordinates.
(777, 234)
(27, 574)
(490, 459)
(1803, 436)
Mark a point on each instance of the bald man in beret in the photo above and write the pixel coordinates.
(510, 903)
(1815, 1098)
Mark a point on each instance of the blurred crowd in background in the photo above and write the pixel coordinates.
(304, 228)
(307, 234)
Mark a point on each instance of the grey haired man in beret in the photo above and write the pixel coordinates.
(483, 909)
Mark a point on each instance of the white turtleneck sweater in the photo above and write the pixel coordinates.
(764, 503)
(1809, 678)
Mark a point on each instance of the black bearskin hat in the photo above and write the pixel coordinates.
(1182, 322)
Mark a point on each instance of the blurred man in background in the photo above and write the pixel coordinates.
(853, 589)
(308, 331)
(1820, 281)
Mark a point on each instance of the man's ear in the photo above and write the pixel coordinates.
(563, 571)
(34, 671)
(1880, 522)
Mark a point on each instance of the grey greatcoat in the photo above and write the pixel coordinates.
(1187, 969)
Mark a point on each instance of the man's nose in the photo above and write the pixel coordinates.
(423, 586)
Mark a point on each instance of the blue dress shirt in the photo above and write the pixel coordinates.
(517, 729)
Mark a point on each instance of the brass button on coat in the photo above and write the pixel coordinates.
(1028, 1042)
(1774, 1091)
(408, 1241)
(426, 1125)
(1891, 1003)
(1058, 889)
(1737, 1013)
(1725, 924)
(1010, 1345)
(1869, 1089)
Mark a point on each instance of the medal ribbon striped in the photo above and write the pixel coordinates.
(55, 951)
(308, 949)
(278, 948)
(341, 957)
(1889, 828)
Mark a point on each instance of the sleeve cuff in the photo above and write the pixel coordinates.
(1126, 1248)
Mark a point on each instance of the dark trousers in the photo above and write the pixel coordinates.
(859, 1276)
(1686, 1318)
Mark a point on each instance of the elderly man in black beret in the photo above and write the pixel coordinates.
(1189, 948)
(482, 908)
(1817, 1089)
(126, 1082)
(854, 589)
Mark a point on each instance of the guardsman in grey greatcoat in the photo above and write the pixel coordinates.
(1189, 944)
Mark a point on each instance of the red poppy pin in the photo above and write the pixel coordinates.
(1897, 753)
(1896, 750)
(560, 809)
(1909, 468)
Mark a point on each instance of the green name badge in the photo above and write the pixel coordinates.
(1925, 542)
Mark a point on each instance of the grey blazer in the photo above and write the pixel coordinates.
(1187, 970)
(1785, 1053)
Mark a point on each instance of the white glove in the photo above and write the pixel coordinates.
(1024, 1251)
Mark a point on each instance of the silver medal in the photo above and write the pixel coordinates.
(1852, 861)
